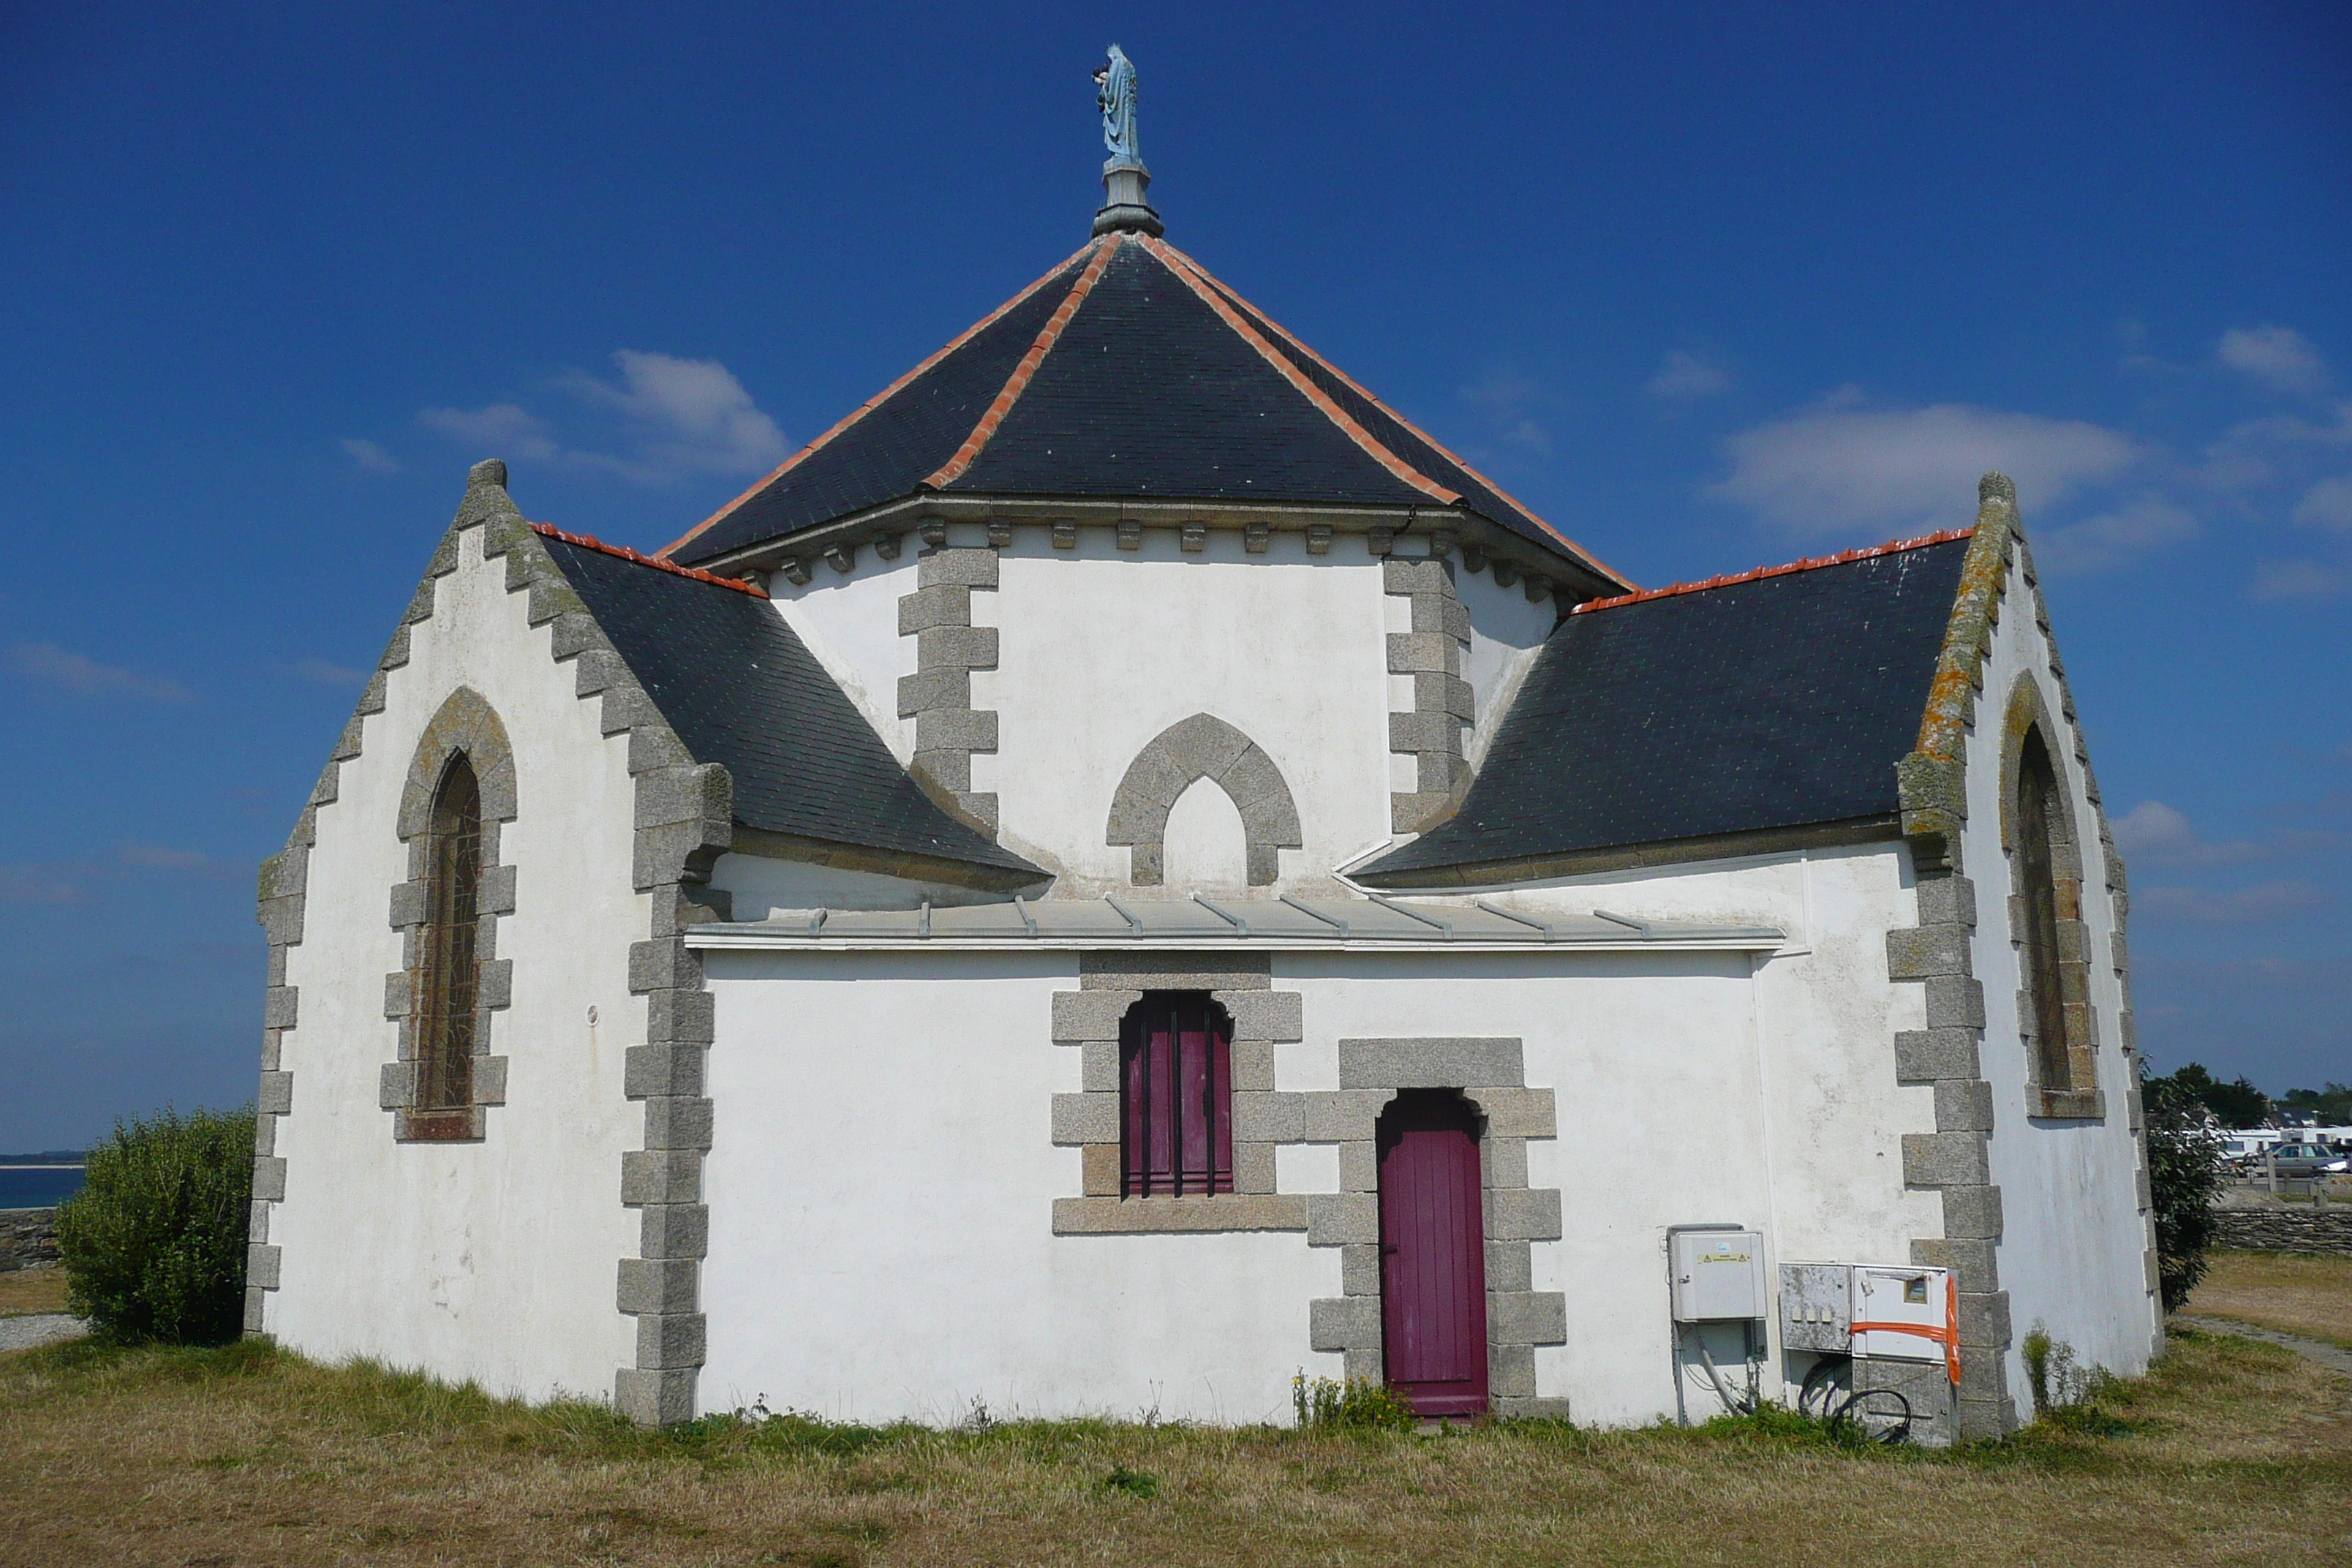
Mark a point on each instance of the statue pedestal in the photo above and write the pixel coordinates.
(1124, 207)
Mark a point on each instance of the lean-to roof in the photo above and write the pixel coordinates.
(1780, 698)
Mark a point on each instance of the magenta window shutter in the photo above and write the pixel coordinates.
(1176, 1076)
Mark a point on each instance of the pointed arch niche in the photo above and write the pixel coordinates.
(1202, 747)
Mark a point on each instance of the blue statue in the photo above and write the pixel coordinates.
(1115, 82)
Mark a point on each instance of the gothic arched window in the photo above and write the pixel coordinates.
(449, 972)
(2036, 872)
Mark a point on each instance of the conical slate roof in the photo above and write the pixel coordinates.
(1125, 372)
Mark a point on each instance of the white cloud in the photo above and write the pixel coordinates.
(368, 457)
(327, 674)
(2115, 538)
(2160, 835)
(1507, 398)
(691, 415)
(677, 417)
(1686, 377)
(504, 428)
(2277, 580)
(2264, 905)
(130, 852)
(2327, 504)
(37, 885)
(54, 666)
(1839, 469)
(2279, 357)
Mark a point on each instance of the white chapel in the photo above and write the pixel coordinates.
(1125, 872)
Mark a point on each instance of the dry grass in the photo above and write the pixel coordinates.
(2301, 1293)
(2232, 1452)
(24, 1290)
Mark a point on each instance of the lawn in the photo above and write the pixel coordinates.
(24, 1290)
(2302, 1293)
(2230, 1452)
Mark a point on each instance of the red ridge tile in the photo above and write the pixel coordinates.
(1018, 382)
(1809, 564)
(590, 541)
(871, 403)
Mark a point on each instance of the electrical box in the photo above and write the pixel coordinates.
(1717, 1275)
(1904, 1314)
(1817, 1307)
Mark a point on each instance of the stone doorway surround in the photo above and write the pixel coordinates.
(1490, 1073)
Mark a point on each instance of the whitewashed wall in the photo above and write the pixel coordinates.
(2073, 1245)
(881, 1187)
(1100, 649)
(882, 1178)
(494, 1261)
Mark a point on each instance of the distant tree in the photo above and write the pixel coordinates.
(2331, 1105)
(2235, 1104)
(2185, 1174)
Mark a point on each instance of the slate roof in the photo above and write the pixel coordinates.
(1779, 699)
(742, 690)
(1126, 372)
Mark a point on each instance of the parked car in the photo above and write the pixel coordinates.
(2301, 1160)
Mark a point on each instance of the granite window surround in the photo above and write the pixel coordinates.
(1202, 746)
(465, 725)
(1489, 1073)
(2078, 1098)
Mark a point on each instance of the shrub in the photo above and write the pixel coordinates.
(2184, 1175)
(154, 1244)
(1356, 1402)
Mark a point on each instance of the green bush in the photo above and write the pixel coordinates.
(2185, 1174)
(154, 1244)
(1357, 1403)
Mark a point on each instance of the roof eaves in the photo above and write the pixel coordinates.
(1808, 563)
(1018, 382)
(1212, 296)
(1369, 396)
(873, 402)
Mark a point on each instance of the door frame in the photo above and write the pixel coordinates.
(1450, 1106)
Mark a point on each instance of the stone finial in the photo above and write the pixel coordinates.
(1997, 486)
(488, 471)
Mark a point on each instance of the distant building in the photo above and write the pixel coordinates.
(1125, 870)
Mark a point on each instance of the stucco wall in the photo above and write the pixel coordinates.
(1100, 649)
(493, 1260)
(2072, 1253)
(882, 1178)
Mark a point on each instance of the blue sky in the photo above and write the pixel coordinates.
(1706, 286)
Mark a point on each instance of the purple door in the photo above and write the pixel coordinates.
(1433, 1253)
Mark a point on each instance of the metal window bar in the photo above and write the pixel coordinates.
(1176, 1079)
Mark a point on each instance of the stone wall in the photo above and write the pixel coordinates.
(2286, 1231)
(28, 1238)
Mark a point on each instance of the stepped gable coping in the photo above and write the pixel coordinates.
(1183, 263)
(1018, 382)
(590, 541)
(1213, 297)
(1809, 564)
(875, 402)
